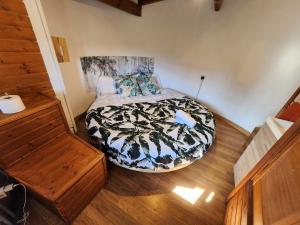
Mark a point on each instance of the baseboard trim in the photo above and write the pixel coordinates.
(80, 116)
(234, 125)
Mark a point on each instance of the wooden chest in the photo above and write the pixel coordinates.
(38, 150)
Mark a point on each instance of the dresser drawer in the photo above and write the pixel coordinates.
(21, 137)
(71, 203)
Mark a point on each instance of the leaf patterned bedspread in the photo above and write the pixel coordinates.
(145, 136)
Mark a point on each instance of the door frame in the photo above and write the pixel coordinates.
(40, 28)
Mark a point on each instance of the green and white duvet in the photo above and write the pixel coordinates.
(144, 136)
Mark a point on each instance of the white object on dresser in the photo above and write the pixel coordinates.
(11, 104)
(269, 133)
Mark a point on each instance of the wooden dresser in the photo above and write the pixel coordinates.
(38, 150)
(36, 145)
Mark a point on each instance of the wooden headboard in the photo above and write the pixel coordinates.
(22, 69)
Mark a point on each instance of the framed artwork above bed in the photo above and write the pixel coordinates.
(95, 66)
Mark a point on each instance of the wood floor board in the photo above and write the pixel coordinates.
(91, 216)
(130, 204)
(136, 198)
(109, 206)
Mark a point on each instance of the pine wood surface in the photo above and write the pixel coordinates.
(33, 104)
(137, 198)
(274, 183)
(72, 161)
(22, 68)
(58, 168)
(239, 208)
(36, 146)
(277, 190)
(21, 133)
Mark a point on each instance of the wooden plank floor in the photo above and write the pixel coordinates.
(139, 198)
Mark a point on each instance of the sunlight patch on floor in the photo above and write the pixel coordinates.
(210, 197)
(189, 194)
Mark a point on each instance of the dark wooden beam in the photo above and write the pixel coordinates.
(146, 2)
(218, 4)
(125, 5)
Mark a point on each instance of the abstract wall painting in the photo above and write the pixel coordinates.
(95, 66)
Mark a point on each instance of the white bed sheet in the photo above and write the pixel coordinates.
(115, 99)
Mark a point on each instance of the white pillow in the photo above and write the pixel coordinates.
(157, 79)
(105, 85)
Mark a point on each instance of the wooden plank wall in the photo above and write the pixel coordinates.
(239, 208)
(22, 70)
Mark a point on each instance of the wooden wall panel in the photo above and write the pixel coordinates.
(14, 19)
(27, 79)
(278, 189)
(16, 6)
(20, 58)
(22, 69)
(238, 210)
(18, 46)
(19, 33)
(26, 90)
(275, 179)
(19, 69)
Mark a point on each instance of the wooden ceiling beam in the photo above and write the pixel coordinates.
(218, 4)
(125, 5)
(146, 2)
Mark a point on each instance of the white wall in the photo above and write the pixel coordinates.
(249, 51)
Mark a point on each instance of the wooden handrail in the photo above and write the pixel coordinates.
(274, 153)
(290, 101)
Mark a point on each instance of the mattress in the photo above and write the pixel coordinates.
(140, 133)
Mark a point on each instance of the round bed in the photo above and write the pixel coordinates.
(142, 134)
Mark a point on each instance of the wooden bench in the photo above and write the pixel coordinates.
(38, 150)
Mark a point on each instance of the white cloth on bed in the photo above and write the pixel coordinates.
(185, 118)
